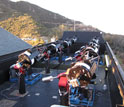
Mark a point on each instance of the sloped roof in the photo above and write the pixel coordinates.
(10, 43)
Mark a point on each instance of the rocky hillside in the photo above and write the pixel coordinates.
(24, 27)
(21, 26)
(43, 18)
(40, 15)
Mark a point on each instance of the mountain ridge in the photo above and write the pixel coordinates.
(40, 15)
(49, 24)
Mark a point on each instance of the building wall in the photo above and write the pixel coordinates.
(83, 38)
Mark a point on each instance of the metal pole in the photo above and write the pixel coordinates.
(47, 66)
(74, 25)
(22, 89)
(60, 57)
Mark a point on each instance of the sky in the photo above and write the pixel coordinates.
(106, 15)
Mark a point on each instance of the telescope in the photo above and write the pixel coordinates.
(89, 51)
(75, 80)
(42, 52)
(73, 84)
(38, 53)
(87, 59)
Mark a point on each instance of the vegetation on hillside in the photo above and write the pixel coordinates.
(27, 20)
(32, 23)
(30, 31)
(46, 20)
(41, 16)
(117, 44)
(24, 27)
(16, 16)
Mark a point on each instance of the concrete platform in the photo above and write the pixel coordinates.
(45, 94)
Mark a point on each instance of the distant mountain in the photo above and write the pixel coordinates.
(40, 15)
(7, 8)
(29, 21)
(45, 23)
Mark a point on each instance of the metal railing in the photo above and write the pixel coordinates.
(118, 73)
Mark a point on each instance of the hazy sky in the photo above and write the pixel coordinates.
(106, 15)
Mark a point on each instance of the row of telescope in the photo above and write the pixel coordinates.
(73, 83)
(79, 74)
(42, 53)
(86, 61)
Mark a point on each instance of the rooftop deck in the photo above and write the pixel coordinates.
(45, 94)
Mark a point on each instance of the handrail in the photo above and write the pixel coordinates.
(116, 62)
(119, 76)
